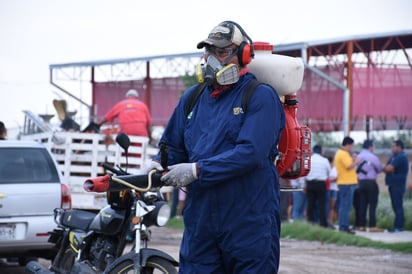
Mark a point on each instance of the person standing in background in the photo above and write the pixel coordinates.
(285, 198)
(368, 169)
(298, 198)
(396, 170)
(356, 200)
(333, 195)
(347, 182)
(3, 131)
(316, 186)
(175, 202)
(132, 114)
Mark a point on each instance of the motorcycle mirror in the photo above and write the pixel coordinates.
(123, 140)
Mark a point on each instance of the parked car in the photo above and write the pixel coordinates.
(31, 188)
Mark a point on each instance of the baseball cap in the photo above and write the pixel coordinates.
(223, 35)
(132, 93)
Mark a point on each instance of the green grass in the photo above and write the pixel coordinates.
(305, 231)
(308, 232)
(385, 215)
(175, 223)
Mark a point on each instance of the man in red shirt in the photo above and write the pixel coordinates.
(132, 114)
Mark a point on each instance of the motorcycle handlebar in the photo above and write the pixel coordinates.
(108, 183)
(113, 170)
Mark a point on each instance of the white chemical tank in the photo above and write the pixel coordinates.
(282, 72)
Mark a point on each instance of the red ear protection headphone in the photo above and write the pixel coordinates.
(245, 52)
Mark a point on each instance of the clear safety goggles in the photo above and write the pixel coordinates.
(220, 52)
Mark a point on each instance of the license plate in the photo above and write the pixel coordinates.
(7, 232)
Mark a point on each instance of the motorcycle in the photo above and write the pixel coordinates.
(95, 243)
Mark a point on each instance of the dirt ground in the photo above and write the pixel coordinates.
(297, 256)
(315, 257)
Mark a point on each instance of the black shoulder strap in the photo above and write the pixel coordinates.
(250, 89)
(193, 97)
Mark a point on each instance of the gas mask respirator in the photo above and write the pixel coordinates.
(212, 71)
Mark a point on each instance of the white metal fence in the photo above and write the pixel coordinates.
(79, 156)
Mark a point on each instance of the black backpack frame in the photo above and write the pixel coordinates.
(247, 94)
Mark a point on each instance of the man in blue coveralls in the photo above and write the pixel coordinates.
(396, 170)
(225, 157)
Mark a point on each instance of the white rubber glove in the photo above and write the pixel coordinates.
(180, 175)
(153, 165)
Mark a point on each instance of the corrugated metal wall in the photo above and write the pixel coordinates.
(164, 95)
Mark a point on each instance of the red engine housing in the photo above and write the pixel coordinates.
(294, 145)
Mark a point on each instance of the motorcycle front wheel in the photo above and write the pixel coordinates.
(154, 265)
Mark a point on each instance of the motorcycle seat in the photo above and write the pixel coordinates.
(77, 219)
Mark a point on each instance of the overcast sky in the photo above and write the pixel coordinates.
(37, 33)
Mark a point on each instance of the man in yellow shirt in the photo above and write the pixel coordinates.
(347, 182)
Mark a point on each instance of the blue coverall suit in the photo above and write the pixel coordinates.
(231, 215)
(396, 182)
